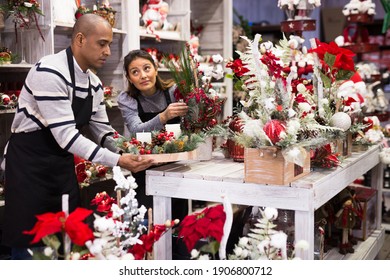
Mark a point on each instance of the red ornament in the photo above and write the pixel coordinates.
(273, 129)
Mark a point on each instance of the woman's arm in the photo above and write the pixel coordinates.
(129, 110)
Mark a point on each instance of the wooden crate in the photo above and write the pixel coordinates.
(268, 166)
(344, 146)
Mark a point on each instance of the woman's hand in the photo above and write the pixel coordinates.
(177, 109)
(134, 163)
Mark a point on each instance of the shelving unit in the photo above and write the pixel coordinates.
(216, 37)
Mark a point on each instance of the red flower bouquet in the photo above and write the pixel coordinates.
(87, 171)
(118, 234)
(195, 89)
(206, 224)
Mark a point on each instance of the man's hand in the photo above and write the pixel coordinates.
(134, 163)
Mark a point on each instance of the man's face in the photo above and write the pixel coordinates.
(96, 47)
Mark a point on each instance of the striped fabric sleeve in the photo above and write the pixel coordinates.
(102, 130)
(51, 95)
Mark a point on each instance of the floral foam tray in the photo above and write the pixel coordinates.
(161, 158)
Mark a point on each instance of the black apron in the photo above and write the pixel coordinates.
(179, 206)
(38, 172)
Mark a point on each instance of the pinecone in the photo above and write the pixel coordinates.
(158, 139)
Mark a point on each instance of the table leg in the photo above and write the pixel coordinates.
(161, 213)
(304, 230)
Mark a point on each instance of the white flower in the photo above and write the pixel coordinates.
(293, 126)
(244, 253)
(304, 107)
(302, 244)
(75, 256)
(279, 239)
(270, 213)
(194, 254)
(204, 257)
(117, 212)
(48, 251)
(253, 128)
(291, 113)
(237, 251)
(243, 241)
(301, 88)
(103, 224)
(263, 245)
(269, 103)
(28, 4)
(128, 257)
(374, 136)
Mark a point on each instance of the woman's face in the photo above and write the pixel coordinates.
(142, 74)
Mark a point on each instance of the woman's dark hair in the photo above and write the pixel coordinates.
(132, 55)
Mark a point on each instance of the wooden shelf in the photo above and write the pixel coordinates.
(164, 35)
(360, 18)
(364, 250)
(362, 47)
(298, 26)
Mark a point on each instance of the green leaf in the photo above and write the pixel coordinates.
(326, 80)
(344, 74)
(52, 241)
(211, 247)
(329, 59)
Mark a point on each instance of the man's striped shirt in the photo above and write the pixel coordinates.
(46, 101)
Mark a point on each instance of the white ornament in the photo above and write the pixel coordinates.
(341, 120)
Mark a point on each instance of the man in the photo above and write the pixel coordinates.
(60, 95)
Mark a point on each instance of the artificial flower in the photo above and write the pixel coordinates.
(192, 89)
(73, 225)
(206, 224)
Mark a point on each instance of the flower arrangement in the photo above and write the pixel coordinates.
(371, 134)
(162, 142)
(8, 101)
(195, 89)
(118, 233)
(82, 10)
(24, 12)
(107, 12)
(264, 242)
(6, 56)
(280, 106)
(87, 171)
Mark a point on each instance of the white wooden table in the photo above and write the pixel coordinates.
(210, 180)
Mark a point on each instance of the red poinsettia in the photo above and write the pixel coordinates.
(73, 225)
(208, 223)
(238, 68)
(343, 57)
(324, 157)
(103, 202)
(139, 250)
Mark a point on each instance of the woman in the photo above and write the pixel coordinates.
(147, 105)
